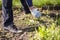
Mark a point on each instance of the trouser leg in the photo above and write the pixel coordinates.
(7, 12)
(29, 3)
(25, 6)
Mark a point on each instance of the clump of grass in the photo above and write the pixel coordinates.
(50, 33)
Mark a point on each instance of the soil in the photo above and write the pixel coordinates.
(21, 20)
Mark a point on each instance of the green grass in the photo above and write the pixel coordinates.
(16, 3)
(50, 33)
(36, 2)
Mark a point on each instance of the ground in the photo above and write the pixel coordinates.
(27, 23)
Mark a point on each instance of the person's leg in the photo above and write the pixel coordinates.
(8, 16)
(25, 6)
(7, 12)
(30, 4)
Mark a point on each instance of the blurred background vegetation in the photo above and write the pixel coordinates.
(36, 2)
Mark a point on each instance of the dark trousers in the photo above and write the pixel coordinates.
(8, 13)
(30, 3)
